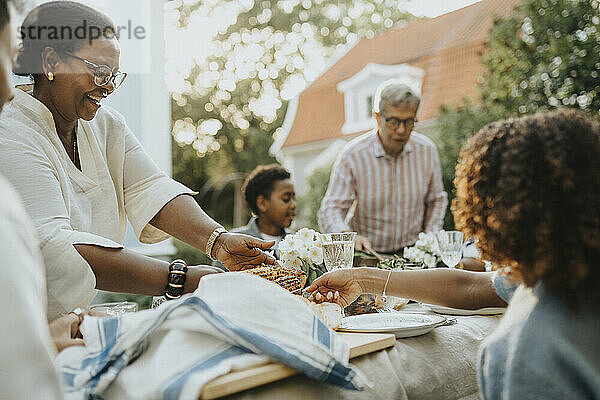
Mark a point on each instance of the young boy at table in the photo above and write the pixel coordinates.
(269, 192)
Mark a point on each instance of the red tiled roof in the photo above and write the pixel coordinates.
(448, 48)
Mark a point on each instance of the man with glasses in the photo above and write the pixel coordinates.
(391, 174)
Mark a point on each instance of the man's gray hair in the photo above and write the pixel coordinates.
(395, 93)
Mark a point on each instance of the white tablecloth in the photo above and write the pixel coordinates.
(438, 365)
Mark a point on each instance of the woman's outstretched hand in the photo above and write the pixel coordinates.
(238, 252)
(340, 286)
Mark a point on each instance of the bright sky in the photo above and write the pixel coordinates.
(433, 8)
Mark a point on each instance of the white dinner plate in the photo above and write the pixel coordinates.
(400, 324)
(459, 311)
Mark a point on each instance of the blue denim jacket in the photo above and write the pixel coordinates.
(541, 349)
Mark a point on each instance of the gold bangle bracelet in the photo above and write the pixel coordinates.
(212, 239)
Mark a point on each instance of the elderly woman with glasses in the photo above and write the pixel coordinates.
(82, 173)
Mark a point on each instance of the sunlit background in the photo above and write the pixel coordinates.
(205, 57)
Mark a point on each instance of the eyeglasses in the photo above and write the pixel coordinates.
(103, 75)
(394, 123)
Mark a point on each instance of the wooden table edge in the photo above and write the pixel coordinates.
(235, 382)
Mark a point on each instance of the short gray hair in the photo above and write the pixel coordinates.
(394, 92)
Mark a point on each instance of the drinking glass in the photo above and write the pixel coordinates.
(115, 308)
(451, 245)
(338, 249)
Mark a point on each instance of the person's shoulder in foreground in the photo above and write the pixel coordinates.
(26, 350)
(542, 350)
(546, 346)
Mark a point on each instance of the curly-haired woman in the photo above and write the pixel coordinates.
(529, 190)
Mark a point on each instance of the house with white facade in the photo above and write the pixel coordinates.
(437, 57)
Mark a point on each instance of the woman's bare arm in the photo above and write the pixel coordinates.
(447, 287)
(123, 270)
(184, 219)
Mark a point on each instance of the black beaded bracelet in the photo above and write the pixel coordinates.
(175, 279)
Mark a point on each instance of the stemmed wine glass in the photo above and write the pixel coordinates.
(451, 245)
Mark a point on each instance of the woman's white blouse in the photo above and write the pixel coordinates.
(118, 181)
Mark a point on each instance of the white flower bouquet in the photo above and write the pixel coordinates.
(425, 251)
(303, 250)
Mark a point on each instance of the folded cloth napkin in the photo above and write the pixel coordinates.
(232, 321)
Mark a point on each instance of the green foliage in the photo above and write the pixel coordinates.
(312, 271)
(311, 201)
(456, 126)
(234, 101)
(545, 55)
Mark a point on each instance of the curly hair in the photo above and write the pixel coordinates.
(529, 190)
(261, 182)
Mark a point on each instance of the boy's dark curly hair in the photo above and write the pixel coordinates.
(529, 190)
(261, 181)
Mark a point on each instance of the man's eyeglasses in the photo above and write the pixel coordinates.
(394, 123)
(103, 75)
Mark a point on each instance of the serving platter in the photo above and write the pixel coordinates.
(402, 325)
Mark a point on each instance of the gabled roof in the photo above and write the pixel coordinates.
(448, 48)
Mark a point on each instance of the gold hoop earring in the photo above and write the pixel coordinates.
(50, 76)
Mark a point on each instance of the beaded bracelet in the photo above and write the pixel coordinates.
(175, 279)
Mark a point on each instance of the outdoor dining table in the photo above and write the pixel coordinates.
(438, 365)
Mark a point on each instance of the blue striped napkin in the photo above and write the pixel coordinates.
(232, 321)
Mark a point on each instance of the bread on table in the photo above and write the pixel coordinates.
(329, 313)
